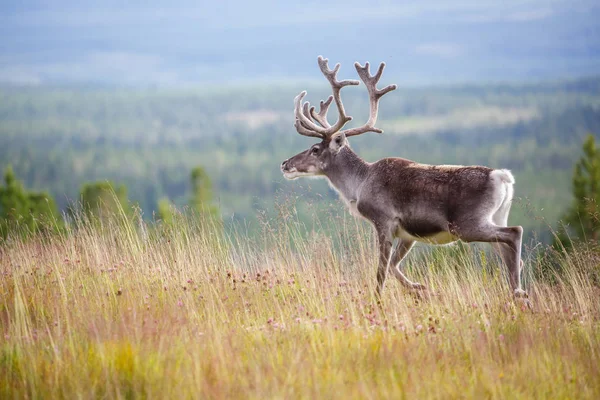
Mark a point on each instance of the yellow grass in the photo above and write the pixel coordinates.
(107, 311)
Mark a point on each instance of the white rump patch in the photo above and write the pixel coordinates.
(503, 175)
(503, 192)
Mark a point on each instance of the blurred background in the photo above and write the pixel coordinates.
(189, 102)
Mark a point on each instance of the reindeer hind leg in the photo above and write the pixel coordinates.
(508, 239)
(510, 255)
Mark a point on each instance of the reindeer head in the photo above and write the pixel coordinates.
(309, 122)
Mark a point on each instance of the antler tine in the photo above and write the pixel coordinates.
(306, 109)
(374, 96)
(303, 113)
(301, 129)
(300, 114)
(331, 74)
(321, 116)
(336, 86)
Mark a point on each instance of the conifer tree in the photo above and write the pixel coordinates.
(584, 215)
(165, 211)
(13, 199)
(104, 199)
(202, 196)
(27, 211)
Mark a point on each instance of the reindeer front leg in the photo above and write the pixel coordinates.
(385, 249)
(390, 257)
(398, 255)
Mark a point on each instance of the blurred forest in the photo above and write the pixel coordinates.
(149, 140)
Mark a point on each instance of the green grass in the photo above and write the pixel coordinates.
(107, 311)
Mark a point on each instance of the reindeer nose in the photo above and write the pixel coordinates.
(284, 165)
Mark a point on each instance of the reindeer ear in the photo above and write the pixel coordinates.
(337, 142)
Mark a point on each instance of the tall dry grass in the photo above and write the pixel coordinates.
(110, 310)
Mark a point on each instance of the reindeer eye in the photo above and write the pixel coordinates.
(314, 151)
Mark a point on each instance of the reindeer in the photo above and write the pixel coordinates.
(403, 199)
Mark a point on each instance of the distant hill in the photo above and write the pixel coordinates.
(188, 42)
(57, 138)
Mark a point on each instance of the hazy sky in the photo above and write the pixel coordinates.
(178, 43)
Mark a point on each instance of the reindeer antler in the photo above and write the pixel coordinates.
(321, 116)
(374, 96)
(306, 115)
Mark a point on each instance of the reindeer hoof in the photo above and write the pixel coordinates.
(521, 294)
(525, 304)
(522, 298)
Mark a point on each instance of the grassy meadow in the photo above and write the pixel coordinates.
(110, 309)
